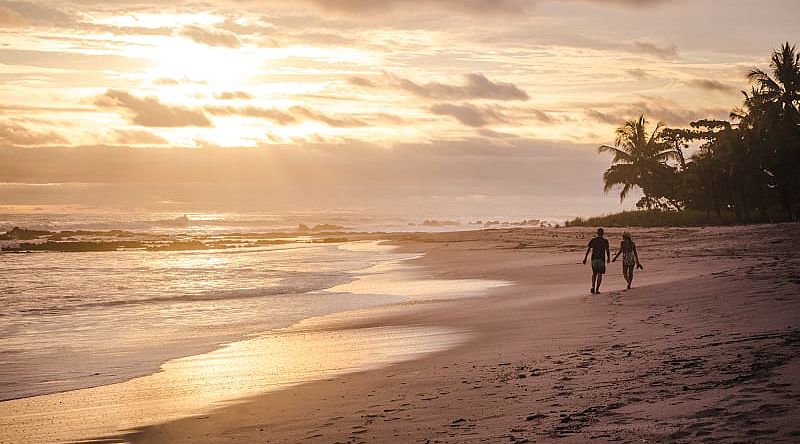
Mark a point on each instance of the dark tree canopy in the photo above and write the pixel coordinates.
(749, 166)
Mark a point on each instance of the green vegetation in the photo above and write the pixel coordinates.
(655, 218)
(747, 170)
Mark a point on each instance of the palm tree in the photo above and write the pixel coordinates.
(775, 100)
(784, 88)
(640, 160)
(758, 160)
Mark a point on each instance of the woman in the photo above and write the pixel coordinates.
(630, 257)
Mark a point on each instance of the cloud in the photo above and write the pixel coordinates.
(45, 109)
(24, 13)
(526, 175)
(138, 137)
(473, 7)
(389, 119)
(337, 122)
(540, 115)
(712, 85)
(476, 86)
(676, 115)
(15, 134)
(638, 73)
(468, 114)
(72, 61)
(127, 30)
(480, 116)
(629, 3)
(233, 95)
(165, 81)
(271, 114)
(322, 38)
(388, 6)
(656, 111)
(211, 37)
(292, 115)
(492, 134)
(149, 111)
(669, 52)
(11, 18)
(362, 82)
(602, 117)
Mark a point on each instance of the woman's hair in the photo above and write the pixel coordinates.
(627, 243)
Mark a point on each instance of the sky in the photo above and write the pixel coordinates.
(471, 107)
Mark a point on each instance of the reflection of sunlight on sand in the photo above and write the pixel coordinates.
(194, 384)
(372, 246)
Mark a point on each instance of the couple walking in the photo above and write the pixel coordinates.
(601, 253)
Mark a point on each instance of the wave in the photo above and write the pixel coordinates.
(303, 283)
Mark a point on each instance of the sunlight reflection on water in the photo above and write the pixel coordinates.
(192, 385)
(207, 380)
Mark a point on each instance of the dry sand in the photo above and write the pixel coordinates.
(703, 348)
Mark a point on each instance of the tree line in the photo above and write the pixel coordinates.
(748, 165)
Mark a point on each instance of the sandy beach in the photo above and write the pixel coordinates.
(357, 222)
(703, 349)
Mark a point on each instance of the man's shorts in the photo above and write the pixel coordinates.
(599, 266)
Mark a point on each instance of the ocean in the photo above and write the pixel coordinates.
(78, 319)
(84, 325)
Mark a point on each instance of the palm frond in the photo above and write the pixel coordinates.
(620, 174)
(763, 81)
(619, 154)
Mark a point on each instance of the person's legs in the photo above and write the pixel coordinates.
(627, 271)
(630, 276)
(598, 268)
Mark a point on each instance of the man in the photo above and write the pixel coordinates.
(601, 253)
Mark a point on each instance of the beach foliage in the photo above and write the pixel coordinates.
(655, 218)
(744, 170)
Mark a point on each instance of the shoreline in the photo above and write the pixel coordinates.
(150, 364)
(548, 360)
(197, 384)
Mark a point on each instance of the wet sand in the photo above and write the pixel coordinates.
(261, 362)
(703, 348)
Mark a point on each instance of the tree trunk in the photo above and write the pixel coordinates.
(786, 201)
(715, 199)
(762, 204)
(744, 204)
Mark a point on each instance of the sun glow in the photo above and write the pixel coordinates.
(217, 68)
